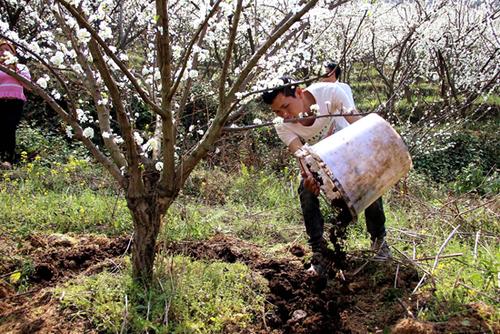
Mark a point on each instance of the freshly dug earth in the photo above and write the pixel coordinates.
(54, 259)
(366, 296)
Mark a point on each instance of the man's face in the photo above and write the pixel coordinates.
(330, 76)
(288, 106)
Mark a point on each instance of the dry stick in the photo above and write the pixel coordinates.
(355, 272)
(129, 243)
(496, 198)
(419, 284)
(441, 249)
(416, 264)
(406, 308)
(396, 277)
(476, 241)
(427, 258)
(290, 120)
(125, 316)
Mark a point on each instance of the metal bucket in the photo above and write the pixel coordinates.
(359, 163)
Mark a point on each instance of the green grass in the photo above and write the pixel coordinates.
(187, 297)
(260, 207)
(62, 197)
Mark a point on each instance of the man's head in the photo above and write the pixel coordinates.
(333, 72)
(287, 100)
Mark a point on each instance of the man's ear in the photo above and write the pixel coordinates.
(299, 92)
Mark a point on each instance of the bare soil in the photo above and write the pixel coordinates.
(366, 296)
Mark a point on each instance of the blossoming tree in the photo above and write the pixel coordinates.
(101, 57)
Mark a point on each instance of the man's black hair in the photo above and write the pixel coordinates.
(286, 89)
(336, 67)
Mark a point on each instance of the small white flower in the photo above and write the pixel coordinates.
(138, 139)
(302, 115)
(83, 35)
(314, 108)
(239, 95)
(80, 114)
(77, 68)
(9, 58)
(118, 140)
(88, 133)
(193, 74)
(57, 59)
(233, 126)
(106, 135)
(200, 132)
(159, 166)
(151, 144)
(191, 128)
(105, 31)
(123, 57)
(42, 82)
(102, 102)
(257, 121)
(217, 150)
(69, 131)
(278, 120)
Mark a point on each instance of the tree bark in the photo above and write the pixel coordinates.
(147, 215)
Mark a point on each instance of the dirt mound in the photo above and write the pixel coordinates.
(220, 247)
(54, 259)
(366, 296)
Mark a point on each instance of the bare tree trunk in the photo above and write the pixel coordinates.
(147, 215)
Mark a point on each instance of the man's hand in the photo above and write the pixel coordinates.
(310, 182)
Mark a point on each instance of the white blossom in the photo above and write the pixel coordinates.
(151, 144)
(159, 166)
(9, 58)
(42, 82)
(83, 35)
(193, 74)
(138, 139)
(88, 133)
(57, 59)
(257, 121)
(69, 131)
(278, 120)
(314, 108)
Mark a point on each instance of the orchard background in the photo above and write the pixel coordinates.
(141, 201)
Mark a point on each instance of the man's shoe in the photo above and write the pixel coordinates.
(319, 264)
(381, 250)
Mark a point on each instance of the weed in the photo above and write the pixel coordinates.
(189, 297)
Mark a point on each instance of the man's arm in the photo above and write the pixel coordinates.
(310, 182)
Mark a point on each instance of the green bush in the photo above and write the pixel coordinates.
(464, 158)
(51, 147)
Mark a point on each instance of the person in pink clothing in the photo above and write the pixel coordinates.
(12, 101)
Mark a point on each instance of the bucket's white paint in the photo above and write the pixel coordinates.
(364, 160)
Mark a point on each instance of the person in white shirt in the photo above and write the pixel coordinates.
(291, 102)
(333, 73)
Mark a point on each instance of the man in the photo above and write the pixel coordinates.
(333, 72)
(291, 102)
